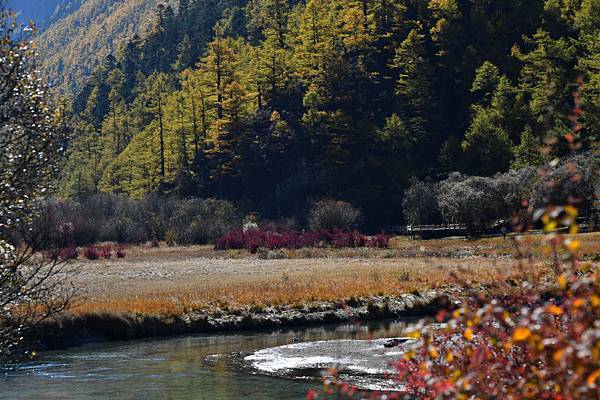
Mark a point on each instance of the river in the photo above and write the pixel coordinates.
(251, 365)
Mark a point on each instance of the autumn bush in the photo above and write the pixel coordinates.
(105, 252)
(64, 254)
(120, 253)
(530, 345)
(254, 239)
(69, 253)
(91, 253)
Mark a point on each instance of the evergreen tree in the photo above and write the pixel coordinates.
(414, 88)
(157, 91)
(487, 147)
(528, 152)
(547, 81)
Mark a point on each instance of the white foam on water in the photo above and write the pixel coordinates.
(366, 364)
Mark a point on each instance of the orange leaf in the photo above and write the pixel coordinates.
(578, 303)
(558, 355)
(520, 334)
(574, 245)
(468, 334)
(433, 352)
(571, 211)
(554, 309)
(591, 380)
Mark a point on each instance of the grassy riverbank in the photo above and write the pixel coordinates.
(178, 287)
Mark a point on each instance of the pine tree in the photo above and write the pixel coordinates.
(547, 80)
(414, 88)
(528, 152)
(486, 146)
(388, 15)
(587, 21)
(487, 78)
(156, 90)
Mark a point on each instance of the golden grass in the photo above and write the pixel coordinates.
(318, 283)
(176, 280)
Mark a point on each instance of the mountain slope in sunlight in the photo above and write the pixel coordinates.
(72, 46)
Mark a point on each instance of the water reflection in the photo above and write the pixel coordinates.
(181, 368)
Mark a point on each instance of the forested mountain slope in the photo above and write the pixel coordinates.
(73, 45)
(276, 102)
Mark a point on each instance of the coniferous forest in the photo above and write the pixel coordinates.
(273, 104)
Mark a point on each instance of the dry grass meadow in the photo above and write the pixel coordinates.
(170, 281)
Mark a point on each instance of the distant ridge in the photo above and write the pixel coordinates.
(77, 35)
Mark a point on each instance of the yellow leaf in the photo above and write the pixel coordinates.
(562, 282)
(572, 211)
(550, 226)
(414, 335)
(468, 334)
(449, 356)
(520, 334)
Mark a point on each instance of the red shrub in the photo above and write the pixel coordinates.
(52, 254)
(270, 240)
(531, 346)
(120, 252)
(232, 240)
(105, 252)
(381, 241)
(309, 239)
(326, 236)
(358, 239)
(91, 253)
(69, 253)
(253, 239)
(341, 239)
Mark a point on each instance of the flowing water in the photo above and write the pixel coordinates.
(252, 365)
